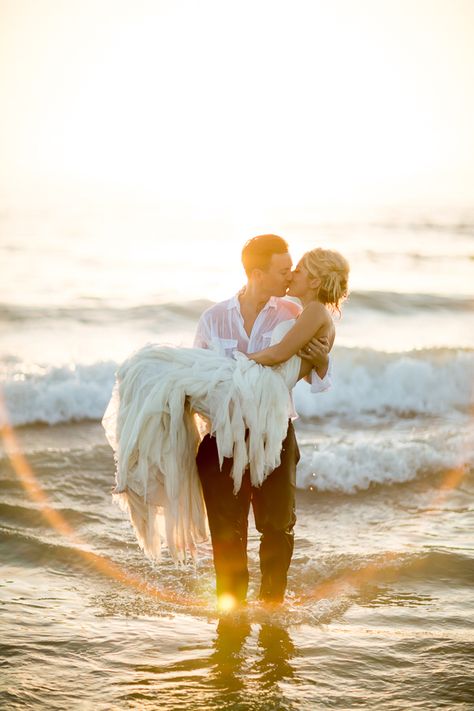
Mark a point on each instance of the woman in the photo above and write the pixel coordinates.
(151, 419)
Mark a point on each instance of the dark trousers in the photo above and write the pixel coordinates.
(274, 511)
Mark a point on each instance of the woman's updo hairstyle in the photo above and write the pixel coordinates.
(333, 272)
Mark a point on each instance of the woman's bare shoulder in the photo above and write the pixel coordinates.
(316, 310)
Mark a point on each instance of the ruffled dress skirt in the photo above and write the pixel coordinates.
(164, 398)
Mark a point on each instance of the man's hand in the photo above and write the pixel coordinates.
(317, 353)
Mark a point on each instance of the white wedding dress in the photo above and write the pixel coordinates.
(151, 422)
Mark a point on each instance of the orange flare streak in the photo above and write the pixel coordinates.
(33, 488)
(324, 590)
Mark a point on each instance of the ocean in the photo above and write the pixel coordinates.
(379, 610)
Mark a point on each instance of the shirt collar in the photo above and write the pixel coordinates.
(234, 303)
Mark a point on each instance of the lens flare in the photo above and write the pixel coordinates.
(226, 603)
(104, 566)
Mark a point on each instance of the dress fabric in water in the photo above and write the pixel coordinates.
(151, 424)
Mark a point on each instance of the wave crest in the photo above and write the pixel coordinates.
(366, 384)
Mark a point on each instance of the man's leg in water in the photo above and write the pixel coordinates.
(228, 520)
(274, 510)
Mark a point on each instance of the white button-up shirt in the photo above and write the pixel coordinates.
(221, 327)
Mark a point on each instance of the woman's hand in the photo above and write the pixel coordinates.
(316, 352)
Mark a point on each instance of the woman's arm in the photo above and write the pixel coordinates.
(316, 352)
(312, 319)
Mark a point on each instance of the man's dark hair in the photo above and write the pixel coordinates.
(258, 251)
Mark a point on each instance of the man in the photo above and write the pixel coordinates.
(245, 323)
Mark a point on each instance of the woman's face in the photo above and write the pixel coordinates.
(300, 282)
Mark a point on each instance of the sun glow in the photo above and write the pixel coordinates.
(236, 108)
(222, 115)
(330, 589)
(226, 603)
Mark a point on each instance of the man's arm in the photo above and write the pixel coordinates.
(318, 384)
(316, 354)
(312, 319)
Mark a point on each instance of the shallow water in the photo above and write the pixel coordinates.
(378, 612)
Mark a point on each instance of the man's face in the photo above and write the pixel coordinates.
(277, 278)
(300, 281)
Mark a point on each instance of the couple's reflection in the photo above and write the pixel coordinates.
(275, 650)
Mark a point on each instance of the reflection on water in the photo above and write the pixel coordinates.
(274, 651)
(378, 613)
(277, 650)
(250, 678)
(242, 671)
(229, 656)
(379, 596)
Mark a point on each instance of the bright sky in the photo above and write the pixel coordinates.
(218, 104)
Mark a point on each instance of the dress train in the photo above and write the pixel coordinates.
(151, 422)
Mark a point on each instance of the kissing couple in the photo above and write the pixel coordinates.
(202, 433)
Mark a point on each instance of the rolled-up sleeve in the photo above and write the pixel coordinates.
(319, 385)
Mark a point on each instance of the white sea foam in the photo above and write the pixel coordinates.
(366, 383)
(59, 394)
(352, 466)
(340, 453)
(430, 382)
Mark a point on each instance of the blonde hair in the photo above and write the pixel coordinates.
(333, 272)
